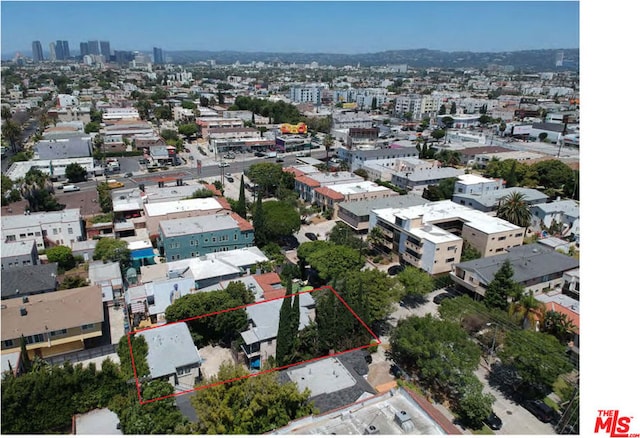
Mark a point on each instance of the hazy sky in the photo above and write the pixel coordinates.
(294, 26)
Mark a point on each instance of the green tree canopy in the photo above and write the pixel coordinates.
(62, 255)
(415, 281)
(438, 352)
(246, 406)
(538, 358)
(188, 129)
(220, 328)
(515, 209)
(502, 288)
(281, 219)
(329, 260)
(114, 250)
(75, 173)
(266, 176)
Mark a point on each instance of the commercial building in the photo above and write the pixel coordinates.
(36, 51)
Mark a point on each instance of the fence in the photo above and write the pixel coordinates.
(83, 355)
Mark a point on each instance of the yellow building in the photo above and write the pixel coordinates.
(52, 323)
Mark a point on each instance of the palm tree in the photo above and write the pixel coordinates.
(558, 325)
(12, 132)
(513, 208)
(328, 143)
(527, 310)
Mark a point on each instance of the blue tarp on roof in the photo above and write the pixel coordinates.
(144, 253)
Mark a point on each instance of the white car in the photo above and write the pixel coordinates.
(223, 164)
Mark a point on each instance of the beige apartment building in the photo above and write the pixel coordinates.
(430, 236)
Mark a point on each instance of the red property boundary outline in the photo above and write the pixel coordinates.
(135, 374)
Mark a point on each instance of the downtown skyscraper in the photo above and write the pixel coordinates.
(158, 56)
(36, 51)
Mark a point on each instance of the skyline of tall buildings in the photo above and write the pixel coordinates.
(36, 51)
(59, 51)
(158, 56)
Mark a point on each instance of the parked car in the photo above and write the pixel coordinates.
(539, 409)
(259, 154)
(493, 421)
(223, 164)
(311, 236)
(70, 188)
(128, 175)
(443, 296)
(229, 156)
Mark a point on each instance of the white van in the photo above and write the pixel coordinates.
(70, 188)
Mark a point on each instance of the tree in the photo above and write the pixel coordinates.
(285, 337)
(376, 237)
(266, 176)
(553, 174)
(219, 328)
(91, 127)
(558, 325)
(248, 406)
(343, 234)
(169, 134)
(204, 101)
(542, 136)
(381, 292)
(259, 223)
(472, 405)
(469, 252)
(6, 112)
(72, 282)
(329, 260)
(443, 190)
(36, 189)
(75, 173)
(514, 208)
(104, 197)
(416, 282)
(538, 358)
(437, 134)
(502, 288)
(61, 255)
(448, 121)
(220, 97)
(188, 129)
(328, 144)
(280, 219)
(527, 310)
(442, 110)
(438, 352)
(114, 250)
(453, 108)
(241, 206)
(13, 133)
(362, 173)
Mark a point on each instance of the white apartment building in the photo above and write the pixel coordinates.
(109, 114)
(47, 228)
(469, 184)
(430, 236)
(346, 120)
(306, 94)
(413, 103)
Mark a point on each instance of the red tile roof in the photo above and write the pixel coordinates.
(329, 193)
(267, 282)
(572, 316)
(296, 172)
(215, 191)
(243, 224)
(307, 181)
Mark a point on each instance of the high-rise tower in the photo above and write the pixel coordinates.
(36, 51)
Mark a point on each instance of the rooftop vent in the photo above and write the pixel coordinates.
(371, 430)
(23, 311)
(25, 299)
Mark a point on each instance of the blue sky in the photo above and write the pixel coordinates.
(294, 26)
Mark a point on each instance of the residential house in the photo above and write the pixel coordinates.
(147, 303)
(471, 184)
(29, 280)
(52, 323)
(385, 169)
(172, 355)
(357, 159)
(489, 201)
(305, 185)
(430, 236)
(563, 214)
(259, 340)
(209, 269)
(536, 267)
(51, 228)
(109, 277)
(266, 286)
(16, 254)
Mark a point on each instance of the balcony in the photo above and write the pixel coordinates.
(252, 350)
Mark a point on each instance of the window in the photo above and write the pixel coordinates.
(451, 248)
(502, 238)
(11, 238)
(58, 332)
(87, 326)
(70, 230)
(55, 231)
(34, 339)
(29, 234)
(22, 235)
(519, 235)
(449, 260)
(8, 343)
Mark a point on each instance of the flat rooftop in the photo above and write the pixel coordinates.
(184, 205)
(329, 375)
(198, 224)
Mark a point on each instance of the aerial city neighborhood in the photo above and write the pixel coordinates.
(250, 247)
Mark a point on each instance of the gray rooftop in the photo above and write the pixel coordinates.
(19, 248)
(528, 262)
(170, 347)
(384, 153)
(194, 225)
(431, 174)
(100, 272)
(491, 198)
(363, 208)
(37, 219)
(74, 147)
(568, 206)
(28, 280)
